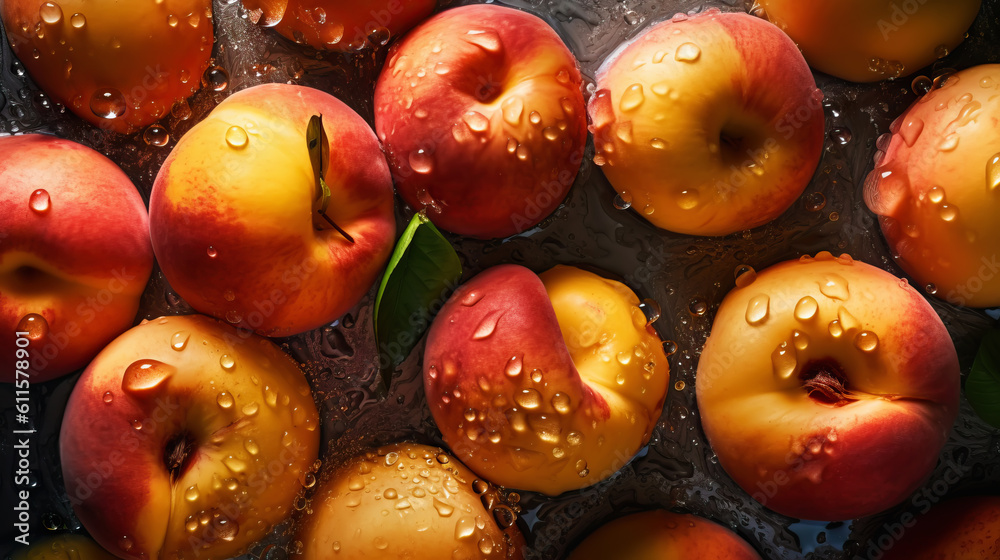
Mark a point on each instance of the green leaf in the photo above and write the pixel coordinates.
(422, 272)
(983, 384)
(319, 156)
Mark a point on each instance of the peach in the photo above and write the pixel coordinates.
(708, 124)
(871, 40)
(546, 383)
(340, 26)
(233, 212)
(965, 528)
(662, 535)
(407, 501)
(187, 438)
(66, 546)
(936, 188)
(482, 116)
(117, 65)
(827, 388)
(75, 254)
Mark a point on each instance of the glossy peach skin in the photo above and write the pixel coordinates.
(965, 528)
(936, 187)
(233, 225)
(662, 535)
(708, 124)
(833, 459)
(65, 546)
(337, 25)
(546, 383)
(482, 117)
(80, 261)
(871, 40)
(410, 501)
(152, 54)
(186, 437)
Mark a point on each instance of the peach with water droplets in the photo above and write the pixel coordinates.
(408, 500)
(117, 65)
(234, 212)
(167, 453)
(340, 26)
(481, 113)
(708, 124)
(547, 382)
(75, 254)
(663, 535)
(871, 40)
(827, 388)
(936, 188)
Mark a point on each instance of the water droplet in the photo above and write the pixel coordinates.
(806, 308)
(669, 347)
(783, 361)
(108, 103)
(225, 400)
(536, 375)
(144, 377)
(561, 403)
(421, 161)
(624, 358)
(948, 212)
(679, 385)
(476, 121)
(921, 85)
(125, 544)
(237, 137)
(835, 328)
(225, 528)
(651, 310)
(632, 98)
(215, 78)
(658, 143)
(487, 40)
(487, 325)
(941, 51)
(866, 341)
(800, 339)
(40, 202)
(841, 136)
(688, 199)
(235, 465)
(250, 409)
(529, 399)
(993, 173)
(687, 52)
(108, 397)
(815, 201)
(50, 13)
(745, 275)
(697, 307)
(180, 340)
(513, 368)
(623, 200)
(834, 286)
(78, 20)
(465, 528)
(391, 458)
(948, 143)
(191, 494)
(757, 309)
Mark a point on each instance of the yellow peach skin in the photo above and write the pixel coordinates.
(708, 124)
(827, 388)
(66, 546)
(187, 438)
(340, 26)
(407, 501)
(75, 254)
(662, 535)
(936, 188)
(871, 40)
(118, 65)
(482, 116)
(547, 383)
(232, 220)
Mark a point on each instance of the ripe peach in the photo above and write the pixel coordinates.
(708, 124)
(408, 501)
(871, 40)
(186, 438)
(936, 188)
(965, 528)
(482, 116)
(827, 388)
(117, 65)
(547, 383)
(74, 254)
(340, 26)
(232, 212)
(662, 535)
(66, 546)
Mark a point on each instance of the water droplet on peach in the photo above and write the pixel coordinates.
(687, 52)
(488, 40)
(146, 376)
(758, 309)
(224, 400)
(632, 98)
(529, 399)
(179, 341)
(783, 361)
(866, 341)
(40, 202)
(50, 12)
(834, 286)
(237, 138)
(948, 143)
(948, 212)
(235, 465)
(806, 308)
(623, 200)
(250, 409)
(108, 103)
(421, 161)
(651, 310)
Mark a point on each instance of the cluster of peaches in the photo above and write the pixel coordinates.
(827, 388)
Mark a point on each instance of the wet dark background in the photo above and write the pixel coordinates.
(686, 276)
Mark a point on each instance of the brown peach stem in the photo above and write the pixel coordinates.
(176, 453)
(346, 235)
